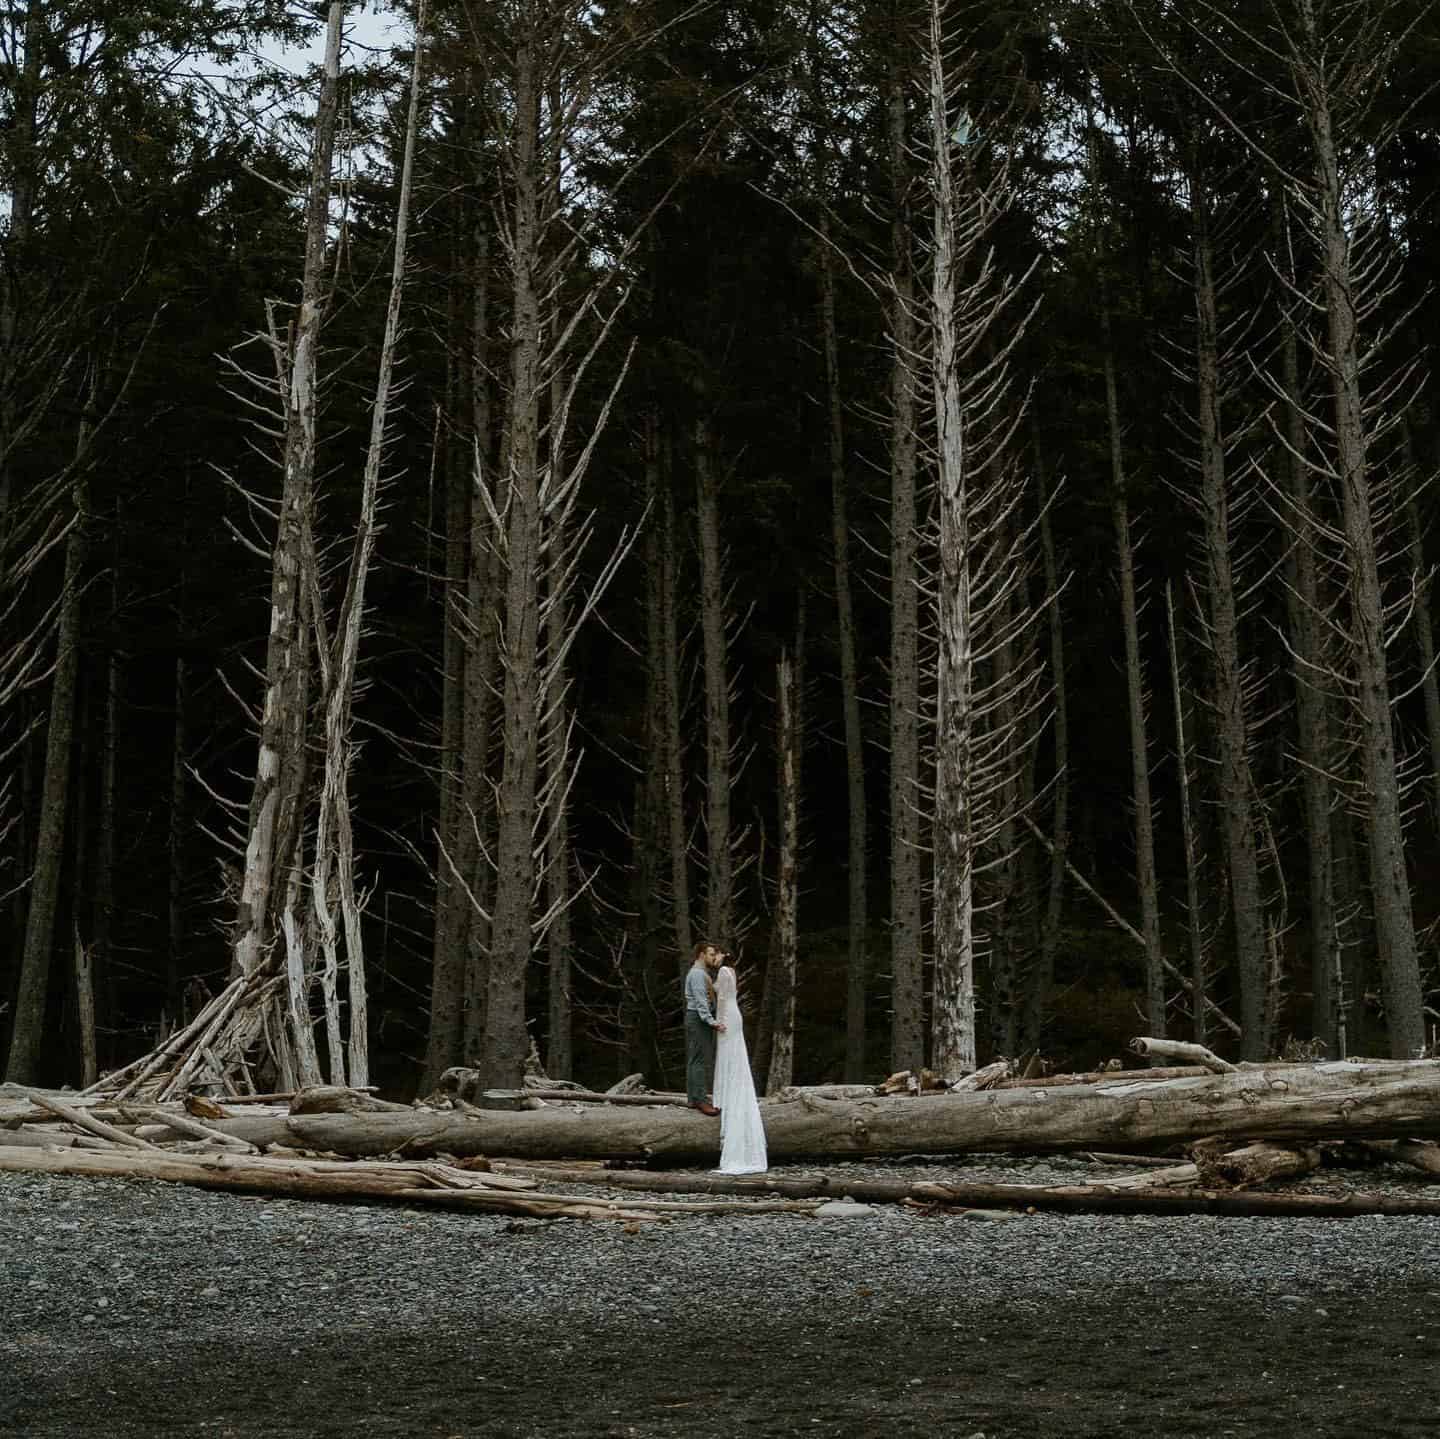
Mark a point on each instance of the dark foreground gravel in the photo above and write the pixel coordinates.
(132, 1309)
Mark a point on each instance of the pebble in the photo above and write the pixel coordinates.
(164, 1254)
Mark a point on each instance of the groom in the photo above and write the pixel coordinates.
(701, 1027)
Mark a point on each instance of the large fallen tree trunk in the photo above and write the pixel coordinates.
(1063, 1198)
(1339, 1100)
(435, 1185)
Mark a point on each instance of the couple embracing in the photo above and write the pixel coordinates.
(715, 1043)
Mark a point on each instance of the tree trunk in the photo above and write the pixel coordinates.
(279, 766)
(1145, 878)
(176, 841)
(444, 1042)
(27, 1034)
(1043, 981)
(482, 644)
(1194, 925)
(907, 1006)
(1423, 619)
(1389, 880)
(106, 837)
(952, 1035)
(23, 181)
(1232, 729)
(673, 746)
(857, 958)
(559, 1051)
(780, 975)
(720, 873)
(1303, 608)
(506, 1037)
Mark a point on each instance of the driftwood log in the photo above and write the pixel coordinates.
(1186, 1053)
(1308, 1102)
(1242, 1168)
(1107, 1198)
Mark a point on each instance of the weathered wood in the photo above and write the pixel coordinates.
(1423, 1155)
(1331, 1100)
(1253, 1164)
(32, 1138)
(1105, 1076)
(82, 1120)
(1179, 1049)
(1071, 1198)
(183, 1124)
(294, 1178)
(825, 1091)
(551, 1206)
(339, 1099)
(85, 1011)
(985, 1078)
(516, 1098)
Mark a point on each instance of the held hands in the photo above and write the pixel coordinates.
(719, 1027)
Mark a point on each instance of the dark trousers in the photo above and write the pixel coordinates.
(699, 1057)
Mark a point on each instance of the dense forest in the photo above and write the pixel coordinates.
(933, 497)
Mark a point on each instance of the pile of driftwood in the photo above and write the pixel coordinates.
(1200, 1136)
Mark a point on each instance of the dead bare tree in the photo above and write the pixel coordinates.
(1325, 61)
(907, 992)
(984, 719)
(1195, 932)
(1215, 365)
(300, 905)
(537, 533)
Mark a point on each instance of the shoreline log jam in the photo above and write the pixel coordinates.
(1228, 1132)
(1382, 1099)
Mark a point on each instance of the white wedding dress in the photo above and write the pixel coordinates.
(742, 1135)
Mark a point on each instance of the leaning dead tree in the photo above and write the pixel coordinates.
(985, 710)
(298, 929)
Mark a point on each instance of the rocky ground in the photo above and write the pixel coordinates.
(131, 1308)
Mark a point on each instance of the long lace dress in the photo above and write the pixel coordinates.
(742, 1135)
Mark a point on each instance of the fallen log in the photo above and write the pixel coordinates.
(1103, 1076)
(338, 1099)
(33, 1138)
(1251, 1165)
(180, 1123)
(1179, 1049)
(503, 1098)
(1332, 1100)
(431, 1184)
(267, 1174)
(560, 1205)
(1055, 1198)
(82, 1120)
(1423, 1155)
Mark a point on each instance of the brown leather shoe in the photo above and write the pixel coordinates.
(706, 1109)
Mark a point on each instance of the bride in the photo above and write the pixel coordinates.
(742, 1135)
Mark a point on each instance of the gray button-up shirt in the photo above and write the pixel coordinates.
(697, 999)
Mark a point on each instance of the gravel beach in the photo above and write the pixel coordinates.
(134, 1308)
